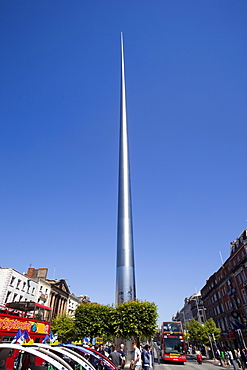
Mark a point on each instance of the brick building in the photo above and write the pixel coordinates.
(225, 294)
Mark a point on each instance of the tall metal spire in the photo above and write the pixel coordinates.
(125, 285)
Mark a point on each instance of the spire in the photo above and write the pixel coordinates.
(125, 284)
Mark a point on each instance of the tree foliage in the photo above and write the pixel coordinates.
(210, 329)
(129, 319)
(200, 333)
(195, 330)
(64, 326)
(136, 319)
(94, 320)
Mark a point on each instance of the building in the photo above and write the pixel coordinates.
(59, 297)
(225, 294)
(193, 309)
(72, 303)
(44, 288)
(16, 287)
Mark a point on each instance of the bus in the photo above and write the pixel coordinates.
(24, 315)
(173, 347)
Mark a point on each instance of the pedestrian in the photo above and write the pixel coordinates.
(231, 358)
(199, 357)
(121, 351)
(115, 357)
(237, 353)
(243, 358)
(218, 356)
(137, 362)
(145, 356)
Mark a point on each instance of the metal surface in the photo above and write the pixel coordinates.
(125, 279)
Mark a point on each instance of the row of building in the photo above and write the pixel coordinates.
(34, 286)
(224, 296)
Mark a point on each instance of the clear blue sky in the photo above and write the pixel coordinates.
(186, 77)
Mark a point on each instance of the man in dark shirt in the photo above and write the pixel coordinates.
(115, 357)
(121, 351)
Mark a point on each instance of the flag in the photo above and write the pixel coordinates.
(17, 336)
(86, 340)
(45, 339)
(53, 337)
(24, 336)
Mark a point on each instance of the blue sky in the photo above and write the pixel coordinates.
(186, 74)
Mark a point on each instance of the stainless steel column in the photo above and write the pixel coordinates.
(125, 285)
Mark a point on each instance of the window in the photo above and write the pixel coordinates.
(33, 291)
(24, 285)
(7, 297)
(18, 284)
(244, 295)
(239, 279)
(15, 298)
(21, 296)
(243, 275)
(12, 281)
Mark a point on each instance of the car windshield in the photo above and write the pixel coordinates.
(174, 345)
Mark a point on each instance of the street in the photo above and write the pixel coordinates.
(190, 364)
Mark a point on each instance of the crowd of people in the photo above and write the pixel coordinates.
(235, 358)
(142, 357)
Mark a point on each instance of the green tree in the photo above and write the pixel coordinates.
(210, 329)
(64, 326)
(136, 319)
(199, 332)
(94, 320)
(195, 330)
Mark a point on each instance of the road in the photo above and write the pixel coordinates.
(190, 364)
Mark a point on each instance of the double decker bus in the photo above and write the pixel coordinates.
(26, 315)
(173, 347)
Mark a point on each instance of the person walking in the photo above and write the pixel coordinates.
(231, 358)
(137, 362)
(115, 357)
(145, 356)
(121, 351)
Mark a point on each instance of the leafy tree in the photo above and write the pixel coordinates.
(198, 332)
(195, 330)
(209, 329)
(136, 319)
(64, 326)
(92, 320)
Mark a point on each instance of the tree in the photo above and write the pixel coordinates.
(199, 332)
(136, 319)
(210, 329)
(93, 320)
(195, 330)
(64, 326)
(129, 319)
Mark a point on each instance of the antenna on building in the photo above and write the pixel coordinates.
(221, 258)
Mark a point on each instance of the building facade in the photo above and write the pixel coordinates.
(59, 297)
(16, 287)
(193, 309)
(225, 294)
